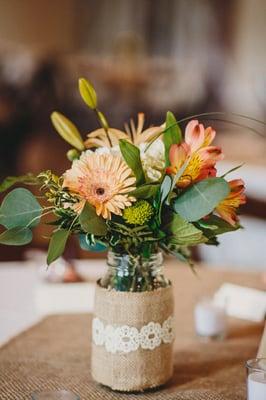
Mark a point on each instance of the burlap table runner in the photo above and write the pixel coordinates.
(56, 354)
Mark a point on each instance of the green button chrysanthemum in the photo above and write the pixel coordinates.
(138, 214)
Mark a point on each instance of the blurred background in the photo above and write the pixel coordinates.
(187, 56)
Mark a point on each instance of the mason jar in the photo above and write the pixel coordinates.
(134, 273)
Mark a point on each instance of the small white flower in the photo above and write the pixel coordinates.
(150, 336)
(153, 159)
(168, 333)
(127, 339)
(98, 332)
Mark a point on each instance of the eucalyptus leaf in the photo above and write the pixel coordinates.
(28, 179)
(181, 232)
(165, 189)
(92, 223)
(131, 155)
(16, 237)
(88, 93)
(161, 196)
(171, 135)
(20, 208)
(67, 130)
(201, 198)
(145, 191)
(57, 245)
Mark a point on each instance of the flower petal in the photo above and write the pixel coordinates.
(194, 135)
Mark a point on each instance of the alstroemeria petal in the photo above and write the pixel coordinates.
(194, 135)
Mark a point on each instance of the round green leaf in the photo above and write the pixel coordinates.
(16, 237)
(20, 209)
(201, 198)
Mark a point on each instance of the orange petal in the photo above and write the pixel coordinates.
(178, 154)
(209, 136)
(194, 135)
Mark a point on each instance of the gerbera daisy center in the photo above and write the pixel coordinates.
(100, 191)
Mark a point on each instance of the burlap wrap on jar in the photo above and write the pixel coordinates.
(144, 366)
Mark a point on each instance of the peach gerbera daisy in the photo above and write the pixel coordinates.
(103, 180)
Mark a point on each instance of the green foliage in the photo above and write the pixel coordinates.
(8, 182)
(214, 225)
(171, 135)
(57, 245)
(162, 196)
(88, 93)
(131, 155)
(201, 198)
(16, 236)
(20, 209)
(232, 170)
(182, 253)
(88, 243)
(92, 223)
(67, 130)
(181, 232)
(145, 191)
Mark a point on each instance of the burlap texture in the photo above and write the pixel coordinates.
(140, 369)
(55, 354)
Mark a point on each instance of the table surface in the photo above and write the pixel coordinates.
(55, 353)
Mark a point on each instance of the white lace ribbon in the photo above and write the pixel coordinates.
(125, 339)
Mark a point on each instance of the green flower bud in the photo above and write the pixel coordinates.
(103, 120)
(67, 130)
(73, 154)
(88, 93)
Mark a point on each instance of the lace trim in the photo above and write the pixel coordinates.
(125, 338)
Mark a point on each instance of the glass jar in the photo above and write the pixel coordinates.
(256, 379)
(134, 273)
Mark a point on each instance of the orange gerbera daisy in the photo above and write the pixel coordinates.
(103, 180)
(197, 152)
(227, 208)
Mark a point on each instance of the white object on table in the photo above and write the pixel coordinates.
(242, 302)
(256, 386)
(210, 319)
(19, 283)
(61, 298)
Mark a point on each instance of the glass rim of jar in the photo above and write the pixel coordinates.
(257, 364)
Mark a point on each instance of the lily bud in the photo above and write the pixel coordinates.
(88, 93)
(102, 120)
(67, 130)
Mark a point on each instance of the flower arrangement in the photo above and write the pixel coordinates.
(133, 191)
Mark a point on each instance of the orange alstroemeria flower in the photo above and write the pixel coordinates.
(227, 208)
(197, 152)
